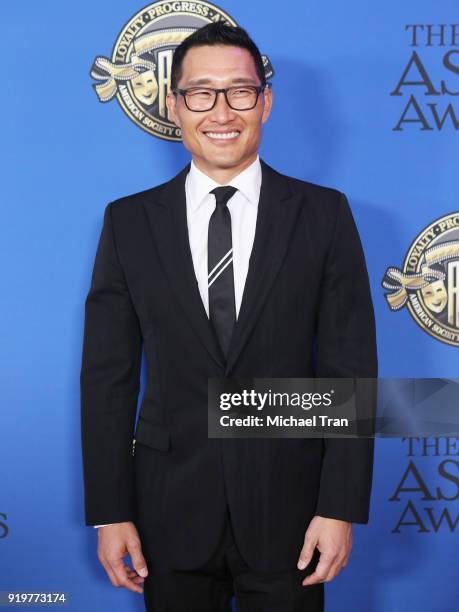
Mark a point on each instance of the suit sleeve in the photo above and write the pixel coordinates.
(346, 348)
(109, 385)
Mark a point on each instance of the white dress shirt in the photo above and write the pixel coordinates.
(243, 207)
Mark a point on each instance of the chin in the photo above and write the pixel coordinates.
(226, 163)
(232, 158)
(222, 161)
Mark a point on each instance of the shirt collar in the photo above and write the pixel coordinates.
(248, 182)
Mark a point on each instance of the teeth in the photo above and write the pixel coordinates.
(222, 136)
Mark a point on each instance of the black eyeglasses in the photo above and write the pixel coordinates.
(238, 97)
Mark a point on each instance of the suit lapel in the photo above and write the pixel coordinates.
(277, 212)
(167, 216)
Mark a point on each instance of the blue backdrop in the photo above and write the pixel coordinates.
(65, 156)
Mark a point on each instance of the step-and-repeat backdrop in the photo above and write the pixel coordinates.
(366, 101)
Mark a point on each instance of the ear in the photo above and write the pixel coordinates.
(268, 99)
(171, 103)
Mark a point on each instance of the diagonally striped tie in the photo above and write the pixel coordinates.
(220, 283)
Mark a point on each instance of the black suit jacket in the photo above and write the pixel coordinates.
(306, 311)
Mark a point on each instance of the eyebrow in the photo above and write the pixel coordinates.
(207, 81)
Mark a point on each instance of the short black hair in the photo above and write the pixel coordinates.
(218, 33)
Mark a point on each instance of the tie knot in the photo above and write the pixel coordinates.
(223, 194)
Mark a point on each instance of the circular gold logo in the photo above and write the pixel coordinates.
(428, 283)
(138, 73)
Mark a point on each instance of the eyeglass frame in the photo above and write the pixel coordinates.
(259, 89)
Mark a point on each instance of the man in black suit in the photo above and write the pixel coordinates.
(230, 269)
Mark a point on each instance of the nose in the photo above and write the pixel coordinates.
(221, 111)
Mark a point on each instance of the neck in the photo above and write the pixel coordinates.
(223, 175)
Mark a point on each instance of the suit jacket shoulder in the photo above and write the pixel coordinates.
(127, 207)
(136, 199)
(321, 205)
(314, 195)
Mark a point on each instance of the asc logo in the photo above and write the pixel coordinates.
(138, 73)
(428, 283)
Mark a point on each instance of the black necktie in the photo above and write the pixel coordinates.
(220, 282)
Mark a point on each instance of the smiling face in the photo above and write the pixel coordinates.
(435, 296)
(222, 141)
